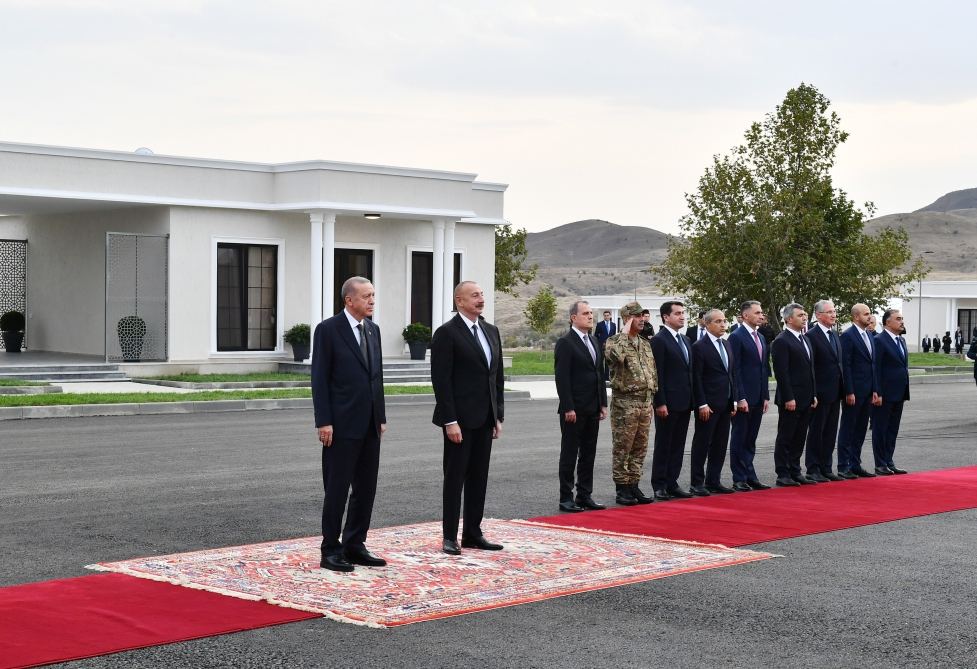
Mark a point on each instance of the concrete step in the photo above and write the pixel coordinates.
(14, 369)
(66, 377)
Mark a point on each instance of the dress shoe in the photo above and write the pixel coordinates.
(450, 546)
(883, 471)
(699, 491)
(719, 489)
(756, 485)
(805, 480)
(786, 481)
(335, 563)
(480, 543)
(639, 496)
(588, 504)
(364, 557)
(742, 486)
(846, 475)
(831, 476)
(896, 470)
(817, 477)
(624, 496)
(862, 472)
(679, 493)
(662, 496)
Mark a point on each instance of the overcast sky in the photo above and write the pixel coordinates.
(607, 109)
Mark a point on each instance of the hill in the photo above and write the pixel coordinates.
(958, 199)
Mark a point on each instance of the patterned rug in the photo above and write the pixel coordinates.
(422, 583)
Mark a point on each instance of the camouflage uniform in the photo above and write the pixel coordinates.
(634, 381)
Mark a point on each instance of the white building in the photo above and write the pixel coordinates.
(219, 258)
(936, 307)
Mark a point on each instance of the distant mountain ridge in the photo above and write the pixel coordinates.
(596, 243)
(958, 199)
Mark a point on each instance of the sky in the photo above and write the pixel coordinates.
(607, 110)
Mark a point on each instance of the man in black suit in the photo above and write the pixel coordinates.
(857, 353)
(972, 354)
(604, 330)
(697, 331)
(892, 383)
(466, 371)
(751, 357)
(647, 329)
(714, 389)
(578, 363)
(823, 430)
(673, 401)
(793, 367)
(347, 393)
(926, 344)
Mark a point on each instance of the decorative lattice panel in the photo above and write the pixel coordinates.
(13, 279)
(136, 297)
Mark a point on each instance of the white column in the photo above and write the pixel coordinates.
(328, 264)
(449, 268)
(437, 278)
(315, 271)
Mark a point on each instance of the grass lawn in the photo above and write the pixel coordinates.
(230, 378)
(937, 360)
(52, 399)
(526, 363)
(15, 382)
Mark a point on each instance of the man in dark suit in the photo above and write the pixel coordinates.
(647, 329)
(673, 401)
(828, 373)
(793, 367)
(751, 363)
(714, 390)
(466, 371)
(604, 330)
(972, 354)
(578, 363)
(347, 393)
(857, 352)
(892, 382)
(697, 331)
(926, 344)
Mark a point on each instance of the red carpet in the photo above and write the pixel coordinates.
(767, 515)
(72, 618)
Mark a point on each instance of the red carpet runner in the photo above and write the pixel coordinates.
(72, 618)
(781, 513)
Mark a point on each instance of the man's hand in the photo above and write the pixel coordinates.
(454, 433)
(626, 328)
(325, 435)
(766, 405)
(662, 411)
(790, 405)
(850, 399)
(876, 399)
(383, 429)
(704, 413)
(814, 403)
(743, 406)
(570, 416)
(497, 430)
(603, 413)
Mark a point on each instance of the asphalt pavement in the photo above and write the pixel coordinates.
(79, 490)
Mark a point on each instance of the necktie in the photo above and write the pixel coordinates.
(702, 333)
(681, 345)
(759, 346)
(479, 342)
(590, 347)
(806, 349)
(902, 346)
(868, 343)
(722, 353)
(364, 349)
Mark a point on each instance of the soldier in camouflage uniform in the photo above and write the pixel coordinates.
(634, 381)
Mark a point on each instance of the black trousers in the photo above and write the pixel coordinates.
(466, 467)
(349, 463)
(821, 437)
(709, 441)
(885, 431)
(851, 435)
(742, 443)
(666, 458)
(789, 446)
(578, 447)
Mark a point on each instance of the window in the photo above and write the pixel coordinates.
(247, 297)
(350, 262)
(967, 320)
(421, 285)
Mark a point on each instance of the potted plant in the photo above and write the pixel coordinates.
(417, 336)
(298, 336)
(12, 324)
(131, 331)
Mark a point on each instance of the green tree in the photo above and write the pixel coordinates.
(540, 311)
(510, 256)
(767, 223)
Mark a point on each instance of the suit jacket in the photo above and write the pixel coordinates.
(346, 392)
(604, 330)
(712, 382)
(674, 373)
(579, 381)
(828, 370)
(752, 369)
(972, 354)
(466, 389)
(926, 342)
(794, 371)
(891, 369)
(692, 332)
(856, 363)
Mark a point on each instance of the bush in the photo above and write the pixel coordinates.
(12, 321)
(300, 334)
(416, 332)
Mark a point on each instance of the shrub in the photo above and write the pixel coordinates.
(417, 332)
(300, 333)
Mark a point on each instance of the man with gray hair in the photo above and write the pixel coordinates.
(829, 376)
(751, 355)
(793, 368)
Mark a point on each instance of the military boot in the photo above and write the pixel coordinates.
(625, 496)
(639, 496)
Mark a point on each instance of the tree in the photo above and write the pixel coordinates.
(766, 223)
(540, 311)
(510, 254)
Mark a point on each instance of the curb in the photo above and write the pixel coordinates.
(224, 385)
(216, 406)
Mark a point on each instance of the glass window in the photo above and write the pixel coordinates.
(247, 297)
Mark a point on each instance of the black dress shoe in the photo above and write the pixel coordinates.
(589, 504)
(817, 477)
(480, 543)
(624, 496)
(896, 470)
(365, 558)
(861, 472)
(883, 471)
(662, 496)
(742, 486)
(450, 546)
(831, 476)
(719, 489)
(756, 485)
(639, 496)
(699, 491)
(570, 506)
(846, 475)
(805, 480)
(335, 563)
(679, 493)
(786, 481)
